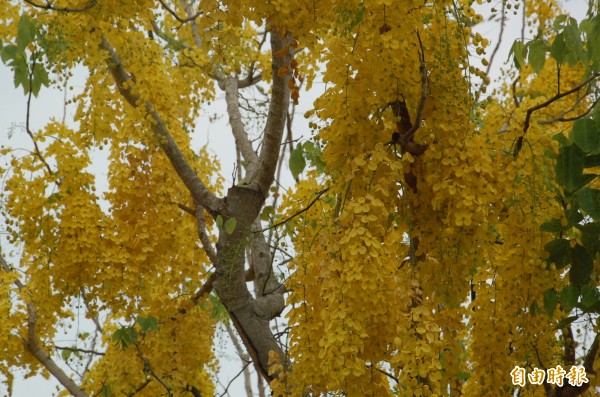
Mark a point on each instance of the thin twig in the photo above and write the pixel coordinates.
(76, 349)
(148, 367)
(199, 191)
(31, 344)
(234, 378)
(561, 117)
(554, 99)
(38, 153)
(388, 375)
(204, 239)
(180, 19)
(206, 288)
(500, 35)
(49, 6)
(424, 82)
(319, 194)
(140, 388)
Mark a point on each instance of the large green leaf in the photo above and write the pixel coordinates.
(560, 252)
(569, 169)
(518, 50)
(39, 79)
(25, 32)
(590, 298)
(9, 53)
(550, 301)
(568, 297)
(147, 323)
(124, 337)
(586, 135)
(582, 265)
(558, 49)
(230, 225)
(552, 226)
(576, 53)
(589, 201)
(537, 54)
(590, 237)
(297, 161)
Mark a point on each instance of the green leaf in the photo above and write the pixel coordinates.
(586, 135)
(534, 309)
(230, 225)
(573, 214)
(568, 297)
(313, 154)
(589, 201)
(590, 297)
(106, 391)
(558, 48)
(559, 21)
(569, 169)
(590, 237)
(25, 32)
(218, 312)
(147, 323)
(560, 252)
(21, 70)
(65, 354)
(124, 337)
(519, 50)
(266, 213)
(8, 53)
(219, 221)
(581, 267)
(297, 161)
(552, 226)
(550, 301)
(537, 54)
(40, 78)
(575, 51)
(592, 160)
(565, 321)
(560, 138)
(592, 28)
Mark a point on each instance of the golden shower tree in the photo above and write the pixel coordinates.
(444, 238)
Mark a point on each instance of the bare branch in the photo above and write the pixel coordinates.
(549, 102)
(196, 187)
(174, 14)
(76, 349)
(234, 378)
(289, 218)
(31, 344)
(148, 367)
(243, 355)
(206, 288)
(140, 387)
(37, 151)
(407, 136)
(204, 239)
(250, 80)
(192, 18)
(49, 6)
(280, 98)
(561, 117)
(230, 86)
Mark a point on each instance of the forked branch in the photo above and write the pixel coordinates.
(196, 187)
